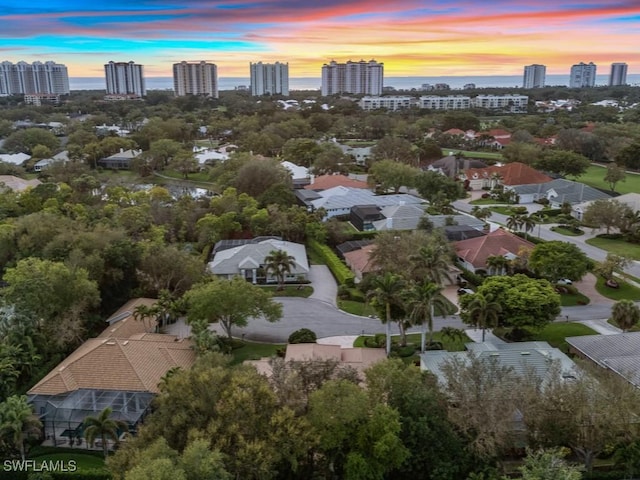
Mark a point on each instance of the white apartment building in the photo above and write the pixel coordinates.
(445, 102)
(125, 78)
(269, 79)
(512, 103)
(195, 78)
(33, 78)
(389, 103)
(357, 78)
(582, 75)
(618, 75)
(534, 76)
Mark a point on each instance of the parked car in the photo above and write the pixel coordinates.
(564, 281)
(464, 291)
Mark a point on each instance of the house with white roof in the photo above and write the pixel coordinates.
(631, 200)
(299, 175)
(557, 191)
(14, 158)
(45, 163)
(248, 261)
(340, 200)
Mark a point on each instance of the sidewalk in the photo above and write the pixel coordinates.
(602, 327)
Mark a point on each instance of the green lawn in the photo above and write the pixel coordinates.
(486, 201)
(502, 210)
(356, 308)
(470, 154)
(254, 351)
(619, 247)
(568, 232)
(414, 338)
(625, 291)
(594, 176)
(554, 334)
(290, 291)
(85, 460)
(569, 300)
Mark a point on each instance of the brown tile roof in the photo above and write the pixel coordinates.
(515, 173)
(127, 326)
(118, 364)
(358, 358)
(360, 260)
(499, 242)
(455, 131)
(325, 182)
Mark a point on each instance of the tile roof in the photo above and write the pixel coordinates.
(564, 190)
(122, 324)
(523, 358)
(515, 173)
(252, 255)
(339, 198)
(619, 352)
(440, 221)
(400, 217)
(499, 242)
(632, 200)
(134, 365)
(18, 184)
(325, 182)
(360, 260)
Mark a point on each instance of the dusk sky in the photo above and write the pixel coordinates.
(411, 37)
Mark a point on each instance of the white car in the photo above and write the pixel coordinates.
(465, 291)
(564, 281)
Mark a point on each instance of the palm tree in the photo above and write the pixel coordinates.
(514, 221)
(481, 213)
(146, 314)
(483, 311)
(528, 222)
(432, 263)
(497, 264)
(423, 299)
(280, 263)
(104, 428)
(387, 291)
(625, 313)
(18, 422)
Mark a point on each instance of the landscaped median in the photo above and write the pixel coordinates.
(624, 290)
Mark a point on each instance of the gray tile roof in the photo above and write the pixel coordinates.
(252, 255)
(523, 358)
(339, 198)
(440, 221)
(565, 191)
(620, 352)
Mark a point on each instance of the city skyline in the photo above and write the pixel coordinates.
(411, 38)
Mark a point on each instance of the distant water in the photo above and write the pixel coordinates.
(400, 83)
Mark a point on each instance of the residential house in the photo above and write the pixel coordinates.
(357, 358)
(248, 261)
(351, 245)
(619, 353)
(444, 221)
(510, 174)
(399, 217)
(121, 369)
(631, 200)
(17, 184)
(326, 182)
(121, 160)
(451, 166)
(455, 233)
(557, 191)
(300, 176)
(524, 358)
(359, 261)
(474, 252)
(338, 201)
(45, 163)
(14, 158)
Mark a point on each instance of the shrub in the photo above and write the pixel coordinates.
(377, 341)
(403, 352)
(473, 278)
(485, 195)
(304, 335)
(340, 271)
(519, 210)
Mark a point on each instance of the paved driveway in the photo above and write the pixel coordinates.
(324, 285)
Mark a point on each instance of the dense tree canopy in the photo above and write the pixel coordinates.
(556, 260)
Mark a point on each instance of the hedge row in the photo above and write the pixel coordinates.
(86, 474)
(340, 270)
